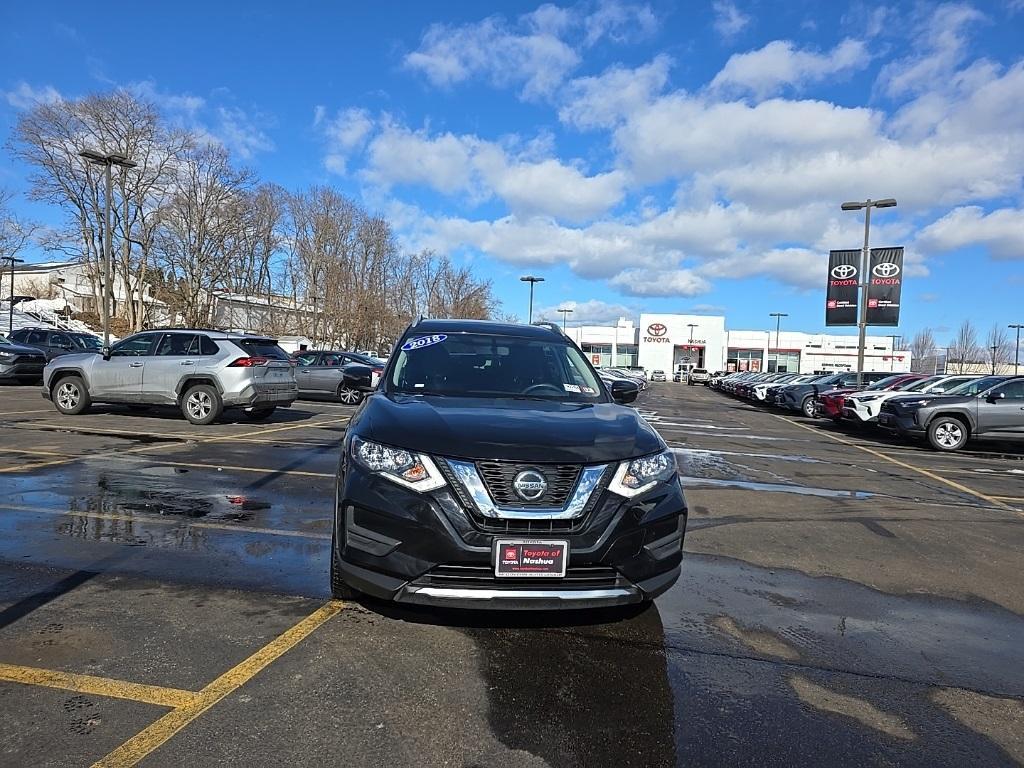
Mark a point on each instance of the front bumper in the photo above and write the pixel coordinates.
(857, 411)
(21, 371)
(396, 544)
(902, 423)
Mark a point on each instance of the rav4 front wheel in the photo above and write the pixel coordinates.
(71, 396)
(947, 434)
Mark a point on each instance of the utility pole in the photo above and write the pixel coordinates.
(865, 260)
(1016, 356)
(107, 160)
(532, 280)
(778, 323)
(994, 348)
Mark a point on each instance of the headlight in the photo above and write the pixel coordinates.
(6, 355)
(412, 470)
(865, 398)
(640, 475)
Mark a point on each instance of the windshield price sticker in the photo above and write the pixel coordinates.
(423, 341)
(572, 387)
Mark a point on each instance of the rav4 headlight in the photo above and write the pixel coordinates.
(412, 470)
(638, 476)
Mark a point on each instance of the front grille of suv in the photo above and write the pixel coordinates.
(498, 476)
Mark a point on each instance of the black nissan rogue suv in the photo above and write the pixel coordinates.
(491, 468)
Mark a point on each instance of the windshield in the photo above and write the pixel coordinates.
(976, 386)
(485, 365)
(886, 382)
(86, 341)
(918, 384)
(5, 340)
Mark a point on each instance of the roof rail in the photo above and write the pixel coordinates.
(550, 326)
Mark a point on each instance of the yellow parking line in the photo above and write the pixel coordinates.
(98, 686)
(231, 467)
(163, 520)
(284, 428)
(938, 478)
(151, 738)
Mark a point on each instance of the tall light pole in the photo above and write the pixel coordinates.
(994, 348)
(862, 293)
(532, 280)
(107, 161)
(1016, 356)
(565, 313)
(778, 325)
(10, 301)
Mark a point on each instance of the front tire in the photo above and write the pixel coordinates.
(71, 396)
(947, 434)
(201, 404)
(339, 589)
(348, 396)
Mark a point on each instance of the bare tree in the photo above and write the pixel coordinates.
(964, 348)
(196, 236)
(997, 347)
(15, 233)
(922, 347)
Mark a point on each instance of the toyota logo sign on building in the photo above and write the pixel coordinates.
(657, 329)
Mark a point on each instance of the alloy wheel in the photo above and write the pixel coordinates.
(348, 396)
(949, 435)
(199, 405)
(68, 396)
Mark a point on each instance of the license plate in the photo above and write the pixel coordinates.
(277, 372)
(530, 558)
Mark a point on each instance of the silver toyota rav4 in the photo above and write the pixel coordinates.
(202, 372)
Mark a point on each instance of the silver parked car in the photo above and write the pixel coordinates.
(321, 374)
(202, 372)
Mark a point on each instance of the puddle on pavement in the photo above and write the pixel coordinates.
(773, 456)
(127, 494)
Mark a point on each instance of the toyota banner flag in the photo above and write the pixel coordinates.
(884, 284)
(841, 297)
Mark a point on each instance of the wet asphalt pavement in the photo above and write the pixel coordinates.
(845, 599)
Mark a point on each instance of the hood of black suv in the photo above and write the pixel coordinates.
(530, 430)
(14, 348)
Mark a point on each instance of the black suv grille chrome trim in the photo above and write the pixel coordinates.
(482, 577)
(499, 476)
(469, 487)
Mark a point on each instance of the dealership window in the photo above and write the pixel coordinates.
(783, 362)
(600, 355)
(744, 360)
(626, 355)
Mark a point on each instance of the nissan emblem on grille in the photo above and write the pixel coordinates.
(530, 485)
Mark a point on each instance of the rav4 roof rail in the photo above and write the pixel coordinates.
(555, 327)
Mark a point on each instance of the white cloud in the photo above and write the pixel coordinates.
(345, 133)
(729, 20)
(941, 43)
(801, 267)
(536, 52)
(604, 100)
(779, 64)
(660, 282)
(593, 311)
(529, 183)
(25, 96)
(185, 105)
(1001, 231)
(239, 132)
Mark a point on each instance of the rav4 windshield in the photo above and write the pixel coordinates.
(483, 365)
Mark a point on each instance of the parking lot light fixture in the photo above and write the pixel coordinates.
(1016, 355)
(565, 313)
(107, 160)
(862, 287)
(532, 280)
(778, 325)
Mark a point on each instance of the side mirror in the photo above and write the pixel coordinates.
(996, 397)
(106, 353)
(623, 392)
(358, 377)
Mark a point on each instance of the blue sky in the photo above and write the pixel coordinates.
(655, 156)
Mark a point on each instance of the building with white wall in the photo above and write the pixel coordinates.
(670, 342)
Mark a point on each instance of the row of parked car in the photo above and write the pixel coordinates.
(947, 410)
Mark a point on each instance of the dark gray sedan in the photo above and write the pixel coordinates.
(319, 374)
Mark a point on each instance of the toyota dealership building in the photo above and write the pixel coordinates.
(680, 342)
